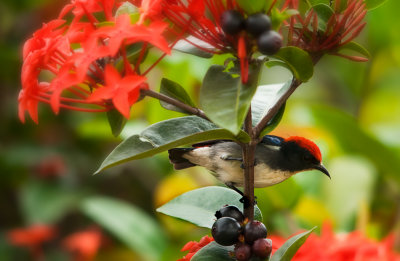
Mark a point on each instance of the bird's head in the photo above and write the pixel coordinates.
(302, 154)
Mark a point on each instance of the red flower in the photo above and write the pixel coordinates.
(341, 28)
(64, 64)
(193, 247)
(32, 237)
(84, 244)
(353, 246)
(201, 19)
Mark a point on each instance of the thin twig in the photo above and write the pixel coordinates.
(248, 150)
(175, 102)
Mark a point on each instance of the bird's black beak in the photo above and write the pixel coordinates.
(321, 168)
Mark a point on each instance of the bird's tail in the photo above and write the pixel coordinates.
(176, 158)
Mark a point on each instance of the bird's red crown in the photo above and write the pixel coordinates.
(308, 145)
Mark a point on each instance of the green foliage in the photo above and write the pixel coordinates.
(188, 46)
(324, 12)
(264, 99)
(199, 206)
(46, 203)
(253, 6)
(129, 224)
(214, 251)
(224, 98)
(290, 247)
(167, 135)
(372, 4)
(296, 60)
(354, 139)
(176, 91)
(117, 121)
(356, 47)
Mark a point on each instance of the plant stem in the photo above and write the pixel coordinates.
(271, 113)
(248, 150)
(175, 102)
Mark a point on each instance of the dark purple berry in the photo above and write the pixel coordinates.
(242, 252)
(226, 231)
(230, 211)
(262, 247)
(269, 43)
(253, 231)
(232, 22)
(257, 24)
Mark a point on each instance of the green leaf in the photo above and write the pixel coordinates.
(353, 46)
(372, 4)
(199, 206)
(174, 90)
(264, 99)
(166, 135)
(324, 13)
(278, 16)
(297, 61)
(224, 99)
(132, 226)
(290, 247)
(195, 46)
(253, 6)
(46, 203)
(117, 121)
(215, 252)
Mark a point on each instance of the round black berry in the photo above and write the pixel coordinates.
(257, 24)
(269, 43)
(262, 248)
(226, 231)
(230, 211)
(232, 22)
(242, 252)
(253, 231)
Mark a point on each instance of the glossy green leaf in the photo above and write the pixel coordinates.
(353, 138)
(214, 252)
(264, 99)
(132, 226)
(176, 91)
(253, 6)
(297, 61)
(324, 13)
(290, 247)
(165, 135)
(278, 16)
(199, 206)
(224, 99)
(372, 4)
(44, 203)
(353, 46)
(116, 121)
(195, 46)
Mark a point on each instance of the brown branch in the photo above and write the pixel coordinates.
(271, 113)
(175, 102)
(248, 150)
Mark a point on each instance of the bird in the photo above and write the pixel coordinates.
(276, 159)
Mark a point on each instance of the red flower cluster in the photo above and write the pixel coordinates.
(85, 65)
(84, 244)
(32, 237)
(194, 246)
(341, 28)
(342, 247)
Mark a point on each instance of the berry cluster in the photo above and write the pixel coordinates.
(249, 237)
(258, 25)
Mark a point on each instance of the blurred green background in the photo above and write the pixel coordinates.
(351, 110)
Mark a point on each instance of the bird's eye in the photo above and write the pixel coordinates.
(308, 158)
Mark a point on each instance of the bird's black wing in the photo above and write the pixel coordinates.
(272, 140)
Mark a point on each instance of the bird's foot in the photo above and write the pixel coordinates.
(254, 164)
(231, 185)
